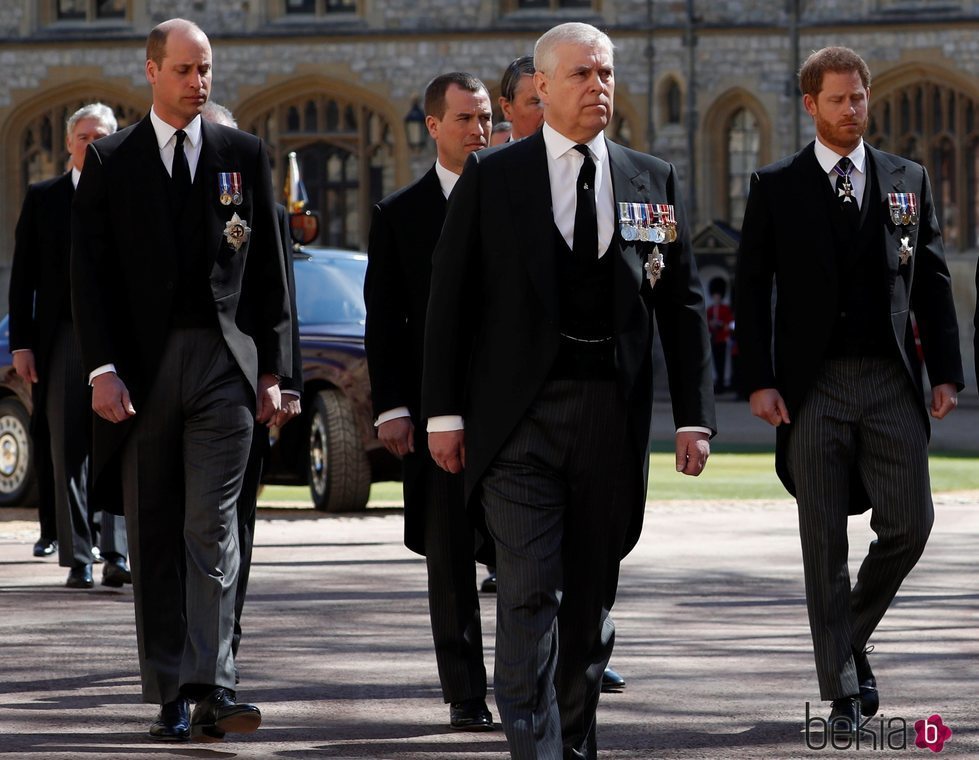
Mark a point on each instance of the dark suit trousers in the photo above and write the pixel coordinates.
(558, 500)
(453, 602)
(68, 409)
(246, 510)
(862, 412)
(183, 463)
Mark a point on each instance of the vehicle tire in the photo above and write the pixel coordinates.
(18, 484)
(339, 472)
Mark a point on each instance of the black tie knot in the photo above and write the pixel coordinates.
(181, 136)
(845, 165)
(583, 150)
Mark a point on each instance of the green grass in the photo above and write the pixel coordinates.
(748, 475)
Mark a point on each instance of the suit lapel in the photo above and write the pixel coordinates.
(529, 187)
(810, 208)
(890, 179)
(150, 197)
(630, 184)
(215, 157)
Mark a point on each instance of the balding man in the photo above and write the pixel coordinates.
(180, 303)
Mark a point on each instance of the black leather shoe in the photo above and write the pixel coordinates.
(80, 576)
(45, 547)
(612, 682)
(844, 718)
(115, 574)
(869, 698)
(471, 715)
(173, 722)
(489, 583)
(218, 714)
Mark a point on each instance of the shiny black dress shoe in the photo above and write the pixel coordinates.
(218, 714)
(45, 547)
(612, 681)
(489, 582)
(173, 722)
(115, 574)
(471, 715)
(80, 576)
(869, 698)
(844, 718)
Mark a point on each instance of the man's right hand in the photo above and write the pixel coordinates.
(448, 450)
(24, 365)
(767, 404)
(398, 436)
(110, 398)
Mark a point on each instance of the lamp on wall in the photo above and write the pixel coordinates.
(415, 126)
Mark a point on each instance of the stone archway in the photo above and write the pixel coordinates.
(348, 143)
(931, 115)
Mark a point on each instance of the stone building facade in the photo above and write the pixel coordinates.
(709, 86)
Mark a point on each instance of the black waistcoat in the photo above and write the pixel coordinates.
(585, 300)
(863, 325)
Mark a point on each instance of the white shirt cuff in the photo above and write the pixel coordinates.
(694, 429)
(104, 369)
(20, 350)
(445, 423)
(391, 414)
(285, 392)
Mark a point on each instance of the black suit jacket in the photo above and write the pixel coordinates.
(124, 261)
(404, 230)
(493, 324)
(787, 235)
(39, 273)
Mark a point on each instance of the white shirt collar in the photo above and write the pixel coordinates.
(828, 158)
(447, 178)
(557, 144)
(75, 176)
(165, 132)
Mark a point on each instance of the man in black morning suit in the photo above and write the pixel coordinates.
(850, 237)
(180, 303)
(46, 354)
(404, 231)
(538, 347)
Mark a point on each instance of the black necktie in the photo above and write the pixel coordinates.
(844, 191)
(585, 217)
(180, 173)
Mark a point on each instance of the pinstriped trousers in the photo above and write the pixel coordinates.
(558, 499)
(182, 467)
(861, 419)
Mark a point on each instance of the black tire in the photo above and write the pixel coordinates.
(339, 472)
(18, 483)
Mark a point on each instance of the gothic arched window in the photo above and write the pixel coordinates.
(936, 126)
(743, 143)
(345, 152)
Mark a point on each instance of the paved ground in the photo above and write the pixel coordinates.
(712, 638)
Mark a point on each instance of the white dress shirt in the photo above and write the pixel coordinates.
(563, 165)
(828, 158)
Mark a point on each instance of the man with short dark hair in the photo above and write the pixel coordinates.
(404, 231)
(848, 235)
(557, 251)
(46, 355)
(180, 302)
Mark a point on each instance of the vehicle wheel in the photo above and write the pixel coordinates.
(18, 485)
(339, 473)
